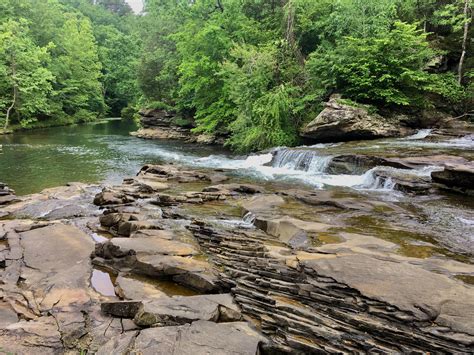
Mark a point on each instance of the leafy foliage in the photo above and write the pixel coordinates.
(25, 82)
(65, 61)
(255, 71)
(385, 70)
(252, 71)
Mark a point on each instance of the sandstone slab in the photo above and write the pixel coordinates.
(186, 309)
(200, 337)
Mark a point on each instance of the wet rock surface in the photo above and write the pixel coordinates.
(7, 195)
(199, 262)
(458, 177)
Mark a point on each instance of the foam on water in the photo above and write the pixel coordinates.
(293, 165)
(422, 133)
(464, 143)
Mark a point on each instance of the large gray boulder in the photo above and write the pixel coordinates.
(342, 122)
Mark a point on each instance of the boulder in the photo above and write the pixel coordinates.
(189, 272)
(342, 122)
(108, 197)
(456, 176)
(187, 309)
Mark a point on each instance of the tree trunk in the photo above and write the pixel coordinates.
(290, 33)
(467, 21)
(15, 96)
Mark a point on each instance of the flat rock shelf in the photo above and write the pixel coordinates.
(178, 260)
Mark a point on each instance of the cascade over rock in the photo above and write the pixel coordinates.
(342, 122)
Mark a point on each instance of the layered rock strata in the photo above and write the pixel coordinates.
(162, 124)
(188, 275)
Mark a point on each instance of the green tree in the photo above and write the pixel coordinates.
(25, 81)
(383, 70)
(264, 104)
(78, 89)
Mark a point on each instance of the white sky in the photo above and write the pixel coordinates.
(136, 5)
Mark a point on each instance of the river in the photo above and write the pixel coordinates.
(105, 152)
(90, 153)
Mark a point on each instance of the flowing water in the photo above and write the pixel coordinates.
(105, 152)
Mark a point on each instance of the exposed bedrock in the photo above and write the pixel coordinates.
(457, 177)
(347, 297)
(7, 195)
(163, 124)
(340, 121)
(195, 264)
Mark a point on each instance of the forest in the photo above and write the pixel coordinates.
(252, 71)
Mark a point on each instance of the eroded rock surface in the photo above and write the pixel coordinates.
(304, 271)
(341, 122)
(163, 124)
(459, 177)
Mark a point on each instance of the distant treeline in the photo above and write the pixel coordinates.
(254, 71)
(65, 61)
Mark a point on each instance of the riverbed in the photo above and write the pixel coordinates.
(326, 246)
(104, 152)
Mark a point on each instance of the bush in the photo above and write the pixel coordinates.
(128, 112)
(385, 70)
(266, 125)
(158, 105)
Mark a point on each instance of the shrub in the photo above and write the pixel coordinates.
(384, 70)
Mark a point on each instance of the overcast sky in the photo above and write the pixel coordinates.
(136, 5)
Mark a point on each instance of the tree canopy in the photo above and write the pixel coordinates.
(252, 71)
(256, 70)
(65, 61)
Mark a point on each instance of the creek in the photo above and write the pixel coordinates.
(105, 152)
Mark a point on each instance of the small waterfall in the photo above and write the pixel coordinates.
(372, 181)
(422, 133)
(249, 218)
(302, 159)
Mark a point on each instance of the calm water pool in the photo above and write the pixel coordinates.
(34, 160)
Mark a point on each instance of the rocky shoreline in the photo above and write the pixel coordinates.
(340, 120)
(163, 124)
(198, 261)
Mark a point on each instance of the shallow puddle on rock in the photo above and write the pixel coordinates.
(412, 244)
(303, 211)
(169, 287)
(101, 281)
(328, 238)
(418, 251)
